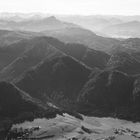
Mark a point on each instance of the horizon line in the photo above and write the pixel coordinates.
(55, 14)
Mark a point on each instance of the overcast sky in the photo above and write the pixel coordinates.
(81, 7)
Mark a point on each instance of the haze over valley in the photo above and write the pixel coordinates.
(71, 72)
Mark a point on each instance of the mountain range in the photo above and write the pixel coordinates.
(64, 31)
(67, 69)
(124, 30)
(104, 94)
(108, 26)
(63, 67)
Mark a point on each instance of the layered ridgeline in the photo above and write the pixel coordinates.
(83, 36)
(41, 48)
(130, 45)
(67, 32)
(8, 37)
(58, 78)
(115, 90)
(35, 25)
(59, 67)
(71, 74)
(125, 29)
(111, 93)
(124, 62)
(64, 80)
(13, 44)
(9, 53)
(44, 72)
(19, 57)
(112, 26)
(15, 102)
(125, 56)
(35, 52)
(16, 106)
(70, 85)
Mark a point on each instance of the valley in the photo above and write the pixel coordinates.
(61, 80)
(90, 128)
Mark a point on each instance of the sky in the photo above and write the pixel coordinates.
(72, 7)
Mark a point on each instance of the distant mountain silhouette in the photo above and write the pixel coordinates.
(127, 29)
(82, 36)
(94, 23)
(67, 32)
(36, 25)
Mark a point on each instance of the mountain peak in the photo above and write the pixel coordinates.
(51, 19)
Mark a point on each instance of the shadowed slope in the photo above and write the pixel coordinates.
(56, 76)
